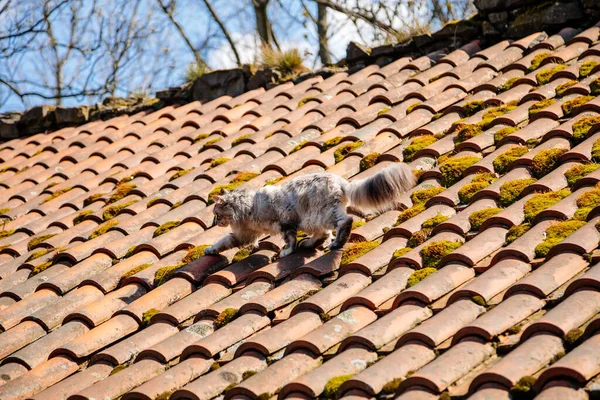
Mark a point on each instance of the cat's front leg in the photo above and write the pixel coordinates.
(225, 243)
(289, 236)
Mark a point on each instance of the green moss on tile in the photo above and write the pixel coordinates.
(249, 374)
(419, 237)
(586, 68)
(577, 172)
(433, 253)
(515, 329)
(467, 131)
(304, 101)
(37, 254)
(516, 232)
(239, 140)
(419, 275)
(298, 146)
(240, 255)
(555, 234)
(582, 127)
(466, 193)
(200, 137)
(524, 385)
(180, 173)
(332, 386)
(596, 151)
(417, 144)
(273, 181)
(147, 316)
(194, 253)
(537, 60)
(505, 160)
(383, 110)
(332, 142)
(452, 170)
(422, 195)
(38, 269)
(214, 366)
(400, 252)
(539, 203)
(243, 177)
(165, 273)
(102, 229)
(480, 301)
(219, 161)
(166, 227)
(368, 161)
(90, 199)
(4, 210)
(118, 369)
(562, 88)
(472, 107)
(546, 161)
(569, 105)
(412, 107)
(573, 336)
(120, 192)
(357, 250)
(409, 213)
(37, 240)
(509, 84)
(6, 233)
(225, 317)
(540, 105)
(134, 271)
(595, 87)
(81, 216)
(432, 222)
(477, 218)
(357, 224)
(174, 206)
(164, 395)
(342, 152)
(498, 111)
(112, 211)
(546, 75)
(392, 386)
(209, 143)
(56, 194)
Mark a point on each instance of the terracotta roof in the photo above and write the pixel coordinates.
(483, 285)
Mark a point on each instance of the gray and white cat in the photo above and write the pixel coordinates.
(313, 203)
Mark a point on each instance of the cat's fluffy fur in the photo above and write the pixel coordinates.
(313, 203)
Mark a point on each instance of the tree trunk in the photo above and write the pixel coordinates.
(263, 27)
(322, 31)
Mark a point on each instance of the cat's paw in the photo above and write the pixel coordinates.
(210, 251)
(334, 246)
(286, 252)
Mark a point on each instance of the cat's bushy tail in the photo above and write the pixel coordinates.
(381, 191)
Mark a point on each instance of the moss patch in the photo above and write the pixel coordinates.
(573, 336)
(586, 68)
(4, 210)
(562, 88)
(510, 191)
(112, 211)
(134, 271)
(166, 227)
(243, 177)
(147, 316)
(37, 254)
(546, 75)
(494, 112)
(38, 269)
(422, 195)
(239, 179)
(467, 131)
(194, 253)
(537, 60)
(102, 229)
(570, 105)
(433, 253)
(304, 101)
(240, 255)
(200, 137)
(434, 221)
(419, 275)
(509, 84)
(368, 161)
(540, 105)
(466, 193)
(180, 173)
(577, 172)
(6, 233)
(419, 237)
(225, 317)
(596, 151)
(392, 386)
(120, 192)
(582, 127)
(524, 385)
(218, 161)
(90, 199)
(516, 232)
(556, 234)
(165, 273)
(586, 203)
(417, 144)
(412, 107)
(539, 203)
(209, 143)
(332, 386)
(37, 240)
(452, 170)
(342, 152)
(332, 142)
(81, 216)
(248, 374)
(546, 161)
(409, 213)
(595, 87)
(504, 160)
(298, 146)
(400, 252)
(56, 194)
(273, 181)
(239, 140)
(472, 107)
(357, 250)
(477, 218)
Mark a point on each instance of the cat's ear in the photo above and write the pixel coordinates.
(224, 191)
(218, 200)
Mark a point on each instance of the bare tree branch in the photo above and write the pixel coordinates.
(356, 14)
(224, 30)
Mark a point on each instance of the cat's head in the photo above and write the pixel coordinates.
(229, 207)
